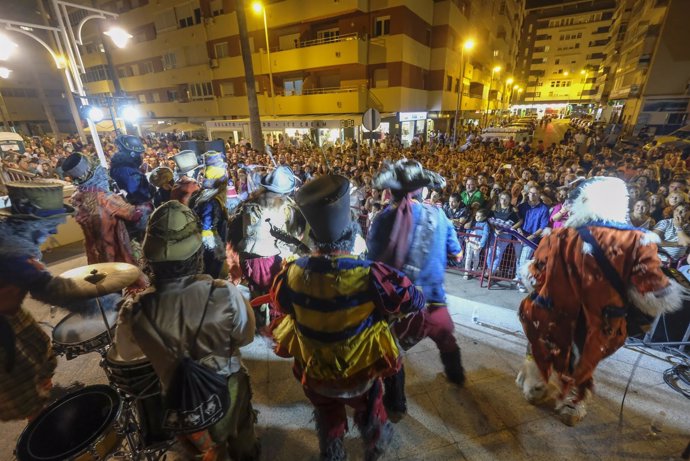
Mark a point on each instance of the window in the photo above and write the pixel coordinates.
(172, 95)
(553, 84)
(165, 21)
(96, 74)
(187, 16)
(328, 35)
(142, 98)
(496, 53)
(537, 94)
(169, 61)
(382, 26)
(293, 87)
(557, 61)
(227, 89)
(221, 50)
(200, 91)
(579, 35)
(449, 83)
(147, 68)
(547, 48)
(156, 97)
(216, 7)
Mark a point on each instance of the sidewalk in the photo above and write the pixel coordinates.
(486, 420)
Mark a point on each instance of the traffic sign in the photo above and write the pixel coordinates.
(371, 119)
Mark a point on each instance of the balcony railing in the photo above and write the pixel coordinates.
(320, 41)
(325, 90)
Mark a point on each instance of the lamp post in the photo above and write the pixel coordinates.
(488, 96)
(67, 41)
(468, 45)
(4, 73)
(259, 8)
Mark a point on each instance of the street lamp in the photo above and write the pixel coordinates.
(119, 36)
(7, 47)
(468, 45)
(495, 70)
(67, 41)
(259, 8)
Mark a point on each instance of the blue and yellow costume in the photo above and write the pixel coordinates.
(209, 204)
(336, 310)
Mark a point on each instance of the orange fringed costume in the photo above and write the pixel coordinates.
(573, 303)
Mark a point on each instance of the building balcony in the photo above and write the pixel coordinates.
(94, 59)
(207, 108)
(167, 78)
(323, 101)
(99, 87)
(283, 13)
(343, 50)
(165, 42)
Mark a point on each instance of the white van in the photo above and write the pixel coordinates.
(11, 141)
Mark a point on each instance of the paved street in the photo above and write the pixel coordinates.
(553, 132)
(486, 420)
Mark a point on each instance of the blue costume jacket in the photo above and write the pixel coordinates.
(445, 241)
(124, 169)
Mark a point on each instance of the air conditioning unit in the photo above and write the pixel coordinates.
(214, 63)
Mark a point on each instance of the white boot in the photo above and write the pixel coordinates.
(529, 379)
(570, 412)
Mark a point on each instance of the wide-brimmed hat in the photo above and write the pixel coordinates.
(281, 180)
(35, 200)
(78, 167)
(407, 176)
(130, 143)
(325, 204)
(173, 233)
(186, 161)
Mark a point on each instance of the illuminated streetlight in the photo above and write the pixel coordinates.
(257, 7)
(467, 46)
(119, 36)
(509, 81)
(130, 114)
(565, 73)
(7, 47)
(95, 114)
(5, 72)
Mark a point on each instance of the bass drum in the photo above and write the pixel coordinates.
(78, 427)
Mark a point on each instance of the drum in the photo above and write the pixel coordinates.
(133, 377)
(78, 427)
(137, 380)
(80, 333)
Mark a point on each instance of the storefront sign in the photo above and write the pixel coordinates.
(410, 116)
(238, 125)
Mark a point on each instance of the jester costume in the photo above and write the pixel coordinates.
(336, 308)
(265, 229)
(589, 279)
(101, 213)
(210, 206)
(27, 360)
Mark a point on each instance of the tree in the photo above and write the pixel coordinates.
(257, 138)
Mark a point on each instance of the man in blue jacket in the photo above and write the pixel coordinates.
(417, 239)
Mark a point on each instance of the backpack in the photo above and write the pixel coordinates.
(197, 397)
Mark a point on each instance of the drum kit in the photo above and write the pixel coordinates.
(90, 424)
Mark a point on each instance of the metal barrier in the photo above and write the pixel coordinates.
(473, 262)
(505, 256)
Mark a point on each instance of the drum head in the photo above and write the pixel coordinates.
(77, 327)
(70, 426)
(114, 359)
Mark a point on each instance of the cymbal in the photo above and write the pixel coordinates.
(103, 278)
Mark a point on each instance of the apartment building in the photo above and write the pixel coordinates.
(562, 51)
(650, 86)
(32, 98)
(330, 60)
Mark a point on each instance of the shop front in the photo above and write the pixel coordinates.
(414, 126)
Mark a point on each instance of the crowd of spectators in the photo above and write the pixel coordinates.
(492, 186)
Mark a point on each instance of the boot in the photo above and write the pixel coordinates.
(332, 449)
(452, 364)
(373, 452)
(394, 397)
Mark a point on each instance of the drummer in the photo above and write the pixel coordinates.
(176, 304)
(27, 360)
